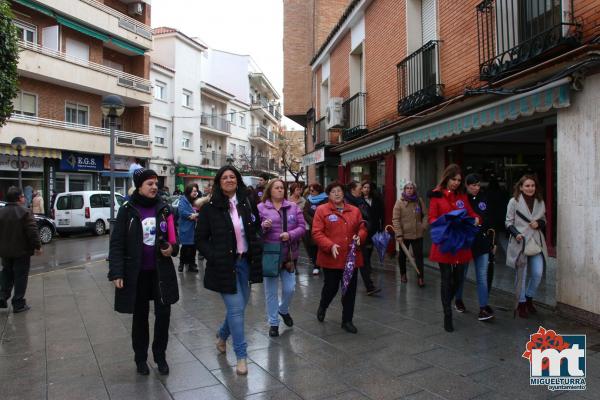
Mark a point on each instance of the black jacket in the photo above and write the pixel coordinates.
(19, 234)
(125, 256)
(483, 242)
(215, 239)
(375, 215)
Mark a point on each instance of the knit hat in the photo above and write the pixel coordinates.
(142, 174)
(472, 179)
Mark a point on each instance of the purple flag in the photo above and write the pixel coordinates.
(349, 268)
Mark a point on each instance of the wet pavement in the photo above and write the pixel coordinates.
(71, 345)
(64, 252)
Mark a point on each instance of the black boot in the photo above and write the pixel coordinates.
(321, 314)
(192, 268)
(529, 305)
(180, 269)
(142, 368)
(448, 323)
(163, 367)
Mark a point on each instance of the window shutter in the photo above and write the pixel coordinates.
(428, 15)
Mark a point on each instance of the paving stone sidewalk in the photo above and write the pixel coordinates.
(71, 345)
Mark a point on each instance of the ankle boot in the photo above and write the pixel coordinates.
(529, 304)
(448, 323)
(180, 269)
(522, 310)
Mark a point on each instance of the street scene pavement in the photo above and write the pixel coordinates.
(72, 345)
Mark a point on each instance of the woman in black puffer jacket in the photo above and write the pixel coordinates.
(227, 235)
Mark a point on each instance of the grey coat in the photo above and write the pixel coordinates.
(515, 224)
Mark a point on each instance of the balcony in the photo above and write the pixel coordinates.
(54, 134)
(323, 136)
(262, 134)
(53, 66)
(419, 84)
(214, 124)
(212, 159)
(354, 117)
(98, 15)
(513, 35)
(271, 110)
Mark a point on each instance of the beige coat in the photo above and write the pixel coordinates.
(406, 222)
(37, 205)
(512, 219)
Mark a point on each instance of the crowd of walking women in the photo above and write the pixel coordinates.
(246, 238)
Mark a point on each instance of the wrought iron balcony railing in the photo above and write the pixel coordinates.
(419, 83)
(214, 159)
(513, 34)
(323, 136)
(354, 116)
(214, 122)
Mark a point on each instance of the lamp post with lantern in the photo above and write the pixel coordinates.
(19, 144)
(112, 108)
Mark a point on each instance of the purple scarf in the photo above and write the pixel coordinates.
(414, 198)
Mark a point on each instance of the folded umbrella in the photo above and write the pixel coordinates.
(454, 231)
(380, 242)
(349, 267)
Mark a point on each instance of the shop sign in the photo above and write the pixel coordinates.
(122, 163)
(195, 171)
(315, 157)
(81, 162)
(28, 164)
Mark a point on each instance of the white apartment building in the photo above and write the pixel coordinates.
(176, 113)
(73, 52)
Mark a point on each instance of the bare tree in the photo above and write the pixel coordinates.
(290, 149)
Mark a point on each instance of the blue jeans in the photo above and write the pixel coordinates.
(288, 286)
(481, 271)
(536, 268)
(236, 306)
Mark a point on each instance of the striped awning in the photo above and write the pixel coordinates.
(31, 152)
(508, 109)
(371, 150)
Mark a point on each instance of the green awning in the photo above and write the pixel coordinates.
(507, 109)
(127, 46)
(36, 6)
(371, 150)
(81, 28)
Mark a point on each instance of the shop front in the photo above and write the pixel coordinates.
(123, 180)
(186, 175)
(34, 170)
(501, 142)
(325, 164)
(79, 171)
(373, 162)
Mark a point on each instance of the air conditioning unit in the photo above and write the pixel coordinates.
(136, 9)
(335, 113)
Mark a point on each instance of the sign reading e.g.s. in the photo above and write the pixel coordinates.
(81, 162)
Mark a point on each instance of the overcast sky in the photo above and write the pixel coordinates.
(253, 27)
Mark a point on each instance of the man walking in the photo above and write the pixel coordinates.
(19, 238)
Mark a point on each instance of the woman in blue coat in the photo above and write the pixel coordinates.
(187, 227)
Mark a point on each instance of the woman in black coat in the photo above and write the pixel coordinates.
(140, 266)
(227, 235)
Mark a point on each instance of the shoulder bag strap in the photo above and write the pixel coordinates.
(285, 229)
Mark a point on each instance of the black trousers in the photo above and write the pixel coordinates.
(188, 254)
(365, 271)
(333, 281)
(417, 248)
(15, 272)
(147, 289)
(311, 250)
(452, 275)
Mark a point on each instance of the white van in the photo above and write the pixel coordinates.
(84, 211)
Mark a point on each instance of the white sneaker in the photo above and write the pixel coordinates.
(316, 271)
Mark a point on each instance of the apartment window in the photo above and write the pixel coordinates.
(25, 104)
(232, 117)
(160, 135)
(186, 98)
(77, 114)
(186, 140)
(26, 32)
(242, 150)
(118, 123)
(232, 149)
(78, 49)
(242, 120)
(160, 90)
(112, 64)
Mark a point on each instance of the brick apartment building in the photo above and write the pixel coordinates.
(72, 53)
(400, 89)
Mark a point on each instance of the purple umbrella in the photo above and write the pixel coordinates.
(349, 267)
(380, 242)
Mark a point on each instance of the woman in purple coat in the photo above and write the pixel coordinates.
(273, 210)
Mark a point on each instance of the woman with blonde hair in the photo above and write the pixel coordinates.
(526, 222)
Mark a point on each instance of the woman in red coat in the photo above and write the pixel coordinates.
(335, 226)
(449, 195)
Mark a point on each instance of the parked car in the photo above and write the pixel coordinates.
(84, 211)
(45, 226)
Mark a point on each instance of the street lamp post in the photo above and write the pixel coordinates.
(112, 108)
(19, 144)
